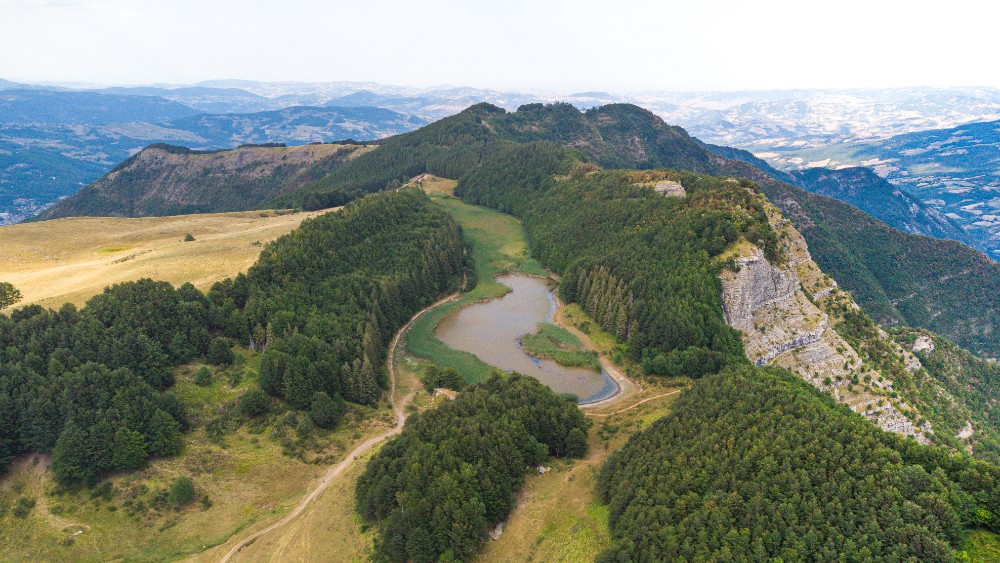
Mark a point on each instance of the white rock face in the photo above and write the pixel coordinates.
(775, 308)
(670, 188)
(923, 344)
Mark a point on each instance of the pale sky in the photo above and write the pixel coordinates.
(612, 45)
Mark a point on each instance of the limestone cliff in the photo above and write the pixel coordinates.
(784, 315)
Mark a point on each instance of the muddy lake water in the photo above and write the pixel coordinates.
(491, 331)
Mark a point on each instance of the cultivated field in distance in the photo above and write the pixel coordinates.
(70, 260)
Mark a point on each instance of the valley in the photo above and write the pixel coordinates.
(694, 294)
(952, 171)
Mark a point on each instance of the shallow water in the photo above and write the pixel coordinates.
(491, 331)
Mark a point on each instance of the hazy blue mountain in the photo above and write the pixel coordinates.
(205, 99)
(69, 108)
(54, 143)
(298, 125)
(869, 192)
(955, 171)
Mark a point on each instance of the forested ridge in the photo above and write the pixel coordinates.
(643, 265)
(92, 385)
(755, 464)
(455, 471)
(896, 277)
(325, 300)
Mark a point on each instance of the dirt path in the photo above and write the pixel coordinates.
(357, 452)
(626, 386)
(628, 408)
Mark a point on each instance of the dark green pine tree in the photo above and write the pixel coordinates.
(70, 462)
(164, 435)
(129, 449)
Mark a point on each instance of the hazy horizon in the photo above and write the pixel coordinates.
(561, 46)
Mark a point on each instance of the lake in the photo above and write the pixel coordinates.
(491, 330)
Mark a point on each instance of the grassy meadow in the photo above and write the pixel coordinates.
(245, 477)
(70, 260)
(498, 247)
(561, 345)
(558, 516)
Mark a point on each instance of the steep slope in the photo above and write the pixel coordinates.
(869, 192)
(866, 190)
(791, 315)
(168, 180)
(954, 171)
(898, 278)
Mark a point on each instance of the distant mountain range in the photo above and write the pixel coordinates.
(55, 140)
(954, 171)
(52, 143)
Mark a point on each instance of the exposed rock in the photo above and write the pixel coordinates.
(923, 344)
(542, 469)
(966, 432)
(669, 188)
(495, 533)
(779, 310)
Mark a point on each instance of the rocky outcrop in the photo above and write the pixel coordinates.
(669, 188)
(779, 311)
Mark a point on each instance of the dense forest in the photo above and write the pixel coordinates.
(897, 277)
(455, 471)
(89, 385)
(324, 301)
(755, 464)
(642, 264)
(92, 385)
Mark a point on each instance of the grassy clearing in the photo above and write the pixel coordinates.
(498, 247)
(561, 345)
(329, 529)
(983, 546)
(70, 260)
(558, 515)
(252, 474)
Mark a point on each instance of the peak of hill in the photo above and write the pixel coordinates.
(897, 277)
(54, 143)
(169, 180)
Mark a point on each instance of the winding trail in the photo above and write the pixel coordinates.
(362, 448)
(626, 386)
(646, 400)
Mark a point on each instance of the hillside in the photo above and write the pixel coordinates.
(953, 171)
(863, 188)
(897, 277)
(70, 260)
(167, 180)
(54, 143)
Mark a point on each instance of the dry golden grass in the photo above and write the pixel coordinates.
(558, 516)
(70, 260)
(329, 529)
(248, 479)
